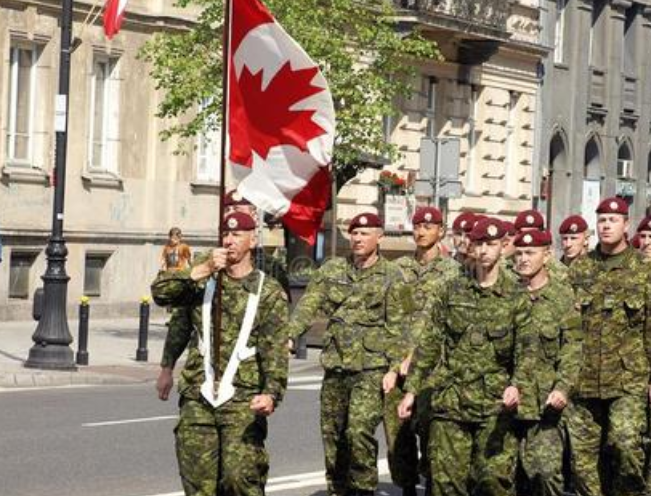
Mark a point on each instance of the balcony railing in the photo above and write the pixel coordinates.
(488, 13)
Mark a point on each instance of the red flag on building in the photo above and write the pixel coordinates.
(113, 16)
(281, 121)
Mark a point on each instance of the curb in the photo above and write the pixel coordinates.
(47, 378)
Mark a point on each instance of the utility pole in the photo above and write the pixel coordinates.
(52, 338)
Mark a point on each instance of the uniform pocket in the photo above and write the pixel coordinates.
(634, 308)
(550, 341)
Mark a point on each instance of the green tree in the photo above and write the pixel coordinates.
(367, 60)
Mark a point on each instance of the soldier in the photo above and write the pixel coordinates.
(575, 239)
(423, 271)
(508, 249)
(220, 447)
(608, 418)
(532, 220)
(459, 239)
(361, 298)
(558, 325)
(468, 351)
(644, 238)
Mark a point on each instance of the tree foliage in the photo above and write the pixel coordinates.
(367, 61)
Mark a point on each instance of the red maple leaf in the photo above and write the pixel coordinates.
(261, 119)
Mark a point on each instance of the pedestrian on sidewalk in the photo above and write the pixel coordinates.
(176, 255)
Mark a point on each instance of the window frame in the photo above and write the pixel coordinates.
(12, 107)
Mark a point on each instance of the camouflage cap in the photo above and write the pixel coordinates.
(574, 224)
(431, 215)
(365, 219)
(238, 221)
(613, 205)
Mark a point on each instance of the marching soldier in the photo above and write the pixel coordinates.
(423, 272)
(361, 298)
(473, 334)
(608, 418)
(644, 238)
(220, 439)
(558, 326)
(459, 238)
(575, 239)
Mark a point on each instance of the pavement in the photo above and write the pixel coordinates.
(112, 345)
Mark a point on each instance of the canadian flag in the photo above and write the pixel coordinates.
(113, 15)
(281, 121)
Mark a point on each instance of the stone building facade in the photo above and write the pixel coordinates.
(596, 105)
(484, 94)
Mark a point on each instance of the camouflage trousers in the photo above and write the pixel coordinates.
(351, 410)
(478, 459)
(607, 443)
(221, 451)
(542, 449)
(402, 444)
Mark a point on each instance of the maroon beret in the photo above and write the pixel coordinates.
(471, 225)
(365, 220)
(636, 242)
(531, 219)
(645, 224)
(509, 227)
(613, 205)
(533, 238)
(233, 198)
(431, 215)
(238, 221)
(487, 229)
(572, 225)
(462, 221)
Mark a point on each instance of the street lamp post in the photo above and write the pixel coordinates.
(52, 338)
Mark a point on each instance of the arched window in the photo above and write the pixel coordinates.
(592, 162)
(625, 162)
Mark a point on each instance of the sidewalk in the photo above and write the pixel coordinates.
(112, 345)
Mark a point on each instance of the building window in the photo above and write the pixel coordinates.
(559, 34)
(22, 101)
(625, 162)
(104, 116)
(430, 107)
(20, 268)
(629, 45)
(93, 268)
(596, 49)
(208, 151)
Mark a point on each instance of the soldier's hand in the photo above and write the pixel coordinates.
(406, 406)
(389, 381)
(218, 260)
(164, 383)
(557, 400)
(262, 404)
(404, 366)
(511, 398)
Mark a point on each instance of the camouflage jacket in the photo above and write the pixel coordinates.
(365, 310)
(614, 297)
(558, 326)
(423, 281)
(266, 371)
(474, 343)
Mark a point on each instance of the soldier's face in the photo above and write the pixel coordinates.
(645, 243)
(364, 241)
(531, 260)
(427, 234)
(508, 248)
(611, 228)
(238, 245)
(487, 253)
(574, 245)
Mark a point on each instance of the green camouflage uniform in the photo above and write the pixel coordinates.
(475, 342)
(365, 312)
(224, 447)
(611, 393)
(402, 445)
(544, 440)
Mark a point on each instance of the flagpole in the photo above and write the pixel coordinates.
(226, 45)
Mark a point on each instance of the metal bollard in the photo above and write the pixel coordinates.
(82, 337)
(301, 348)
(143, 330)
